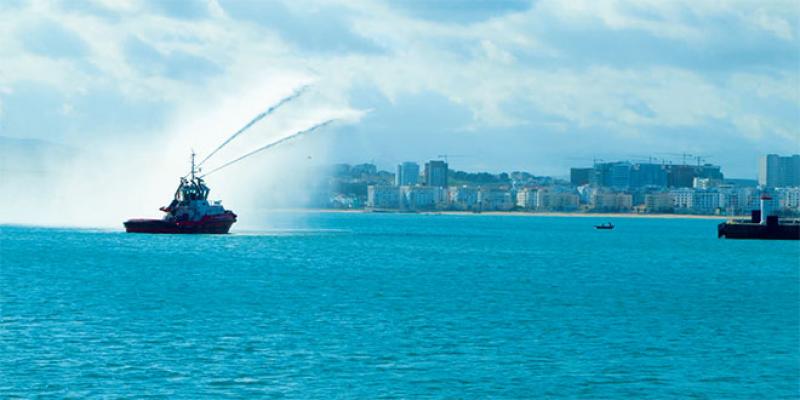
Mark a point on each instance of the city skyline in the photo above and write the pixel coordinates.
(685, 159)
(618, 186)
(612, 186)
(774, 171)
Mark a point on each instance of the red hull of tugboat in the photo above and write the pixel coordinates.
(216, 224)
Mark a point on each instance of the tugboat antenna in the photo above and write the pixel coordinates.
(193, 168)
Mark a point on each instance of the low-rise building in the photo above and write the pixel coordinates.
(682, 199)
(422, 197)
(527, 198)
(548, 200)
(658, 203)
(612, 201)
(463, 198)
(383, 196)
(702, 201)
(739, 200)
(495, 200)
(789, 198)
(733, 201)
(705, 201)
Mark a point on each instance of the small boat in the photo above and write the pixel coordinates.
(605, 226)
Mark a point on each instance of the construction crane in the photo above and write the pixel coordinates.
(446, 157)
(686, 156)
(594, 160)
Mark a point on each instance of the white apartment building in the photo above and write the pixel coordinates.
(706, 202)
(658, 202)
(682, 199)
(423, 197)
(788, 198)
(463, 198)
(612, 201)
(527, 198)
(383, 196)
(495, 200)
(557, 201)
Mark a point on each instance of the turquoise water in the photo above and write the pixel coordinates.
(365, 306)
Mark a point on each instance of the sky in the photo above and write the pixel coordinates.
(496, 85)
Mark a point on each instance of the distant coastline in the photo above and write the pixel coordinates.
(523, 214)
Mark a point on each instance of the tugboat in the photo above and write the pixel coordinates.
(761, 225)
(189, 211)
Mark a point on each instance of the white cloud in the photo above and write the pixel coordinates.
(66, 109)
(774, 24)
(507, 70)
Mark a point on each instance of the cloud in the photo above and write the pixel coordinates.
(316, 28)
(462, 12)
(183, 9)
(50, 39)
(177, 64)
(11, 5)
(620, 74)
(95, 8)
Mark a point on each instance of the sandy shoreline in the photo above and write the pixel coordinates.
(531, 214)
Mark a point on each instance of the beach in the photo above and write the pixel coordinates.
(527, 214)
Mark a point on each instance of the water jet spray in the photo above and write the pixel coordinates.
(297, 93)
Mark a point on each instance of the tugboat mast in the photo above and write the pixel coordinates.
(193, 166)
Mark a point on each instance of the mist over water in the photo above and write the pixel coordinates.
(103, 183)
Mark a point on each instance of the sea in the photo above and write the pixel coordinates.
(338, 305)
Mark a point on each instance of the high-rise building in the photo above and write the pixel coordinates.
(709, 171)
(779, 171)
(648, 174)
(436, 173)
(613, 175)
(768, 170)
(407, 174)
(624, 175)
(580, 176)
(682, 175)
